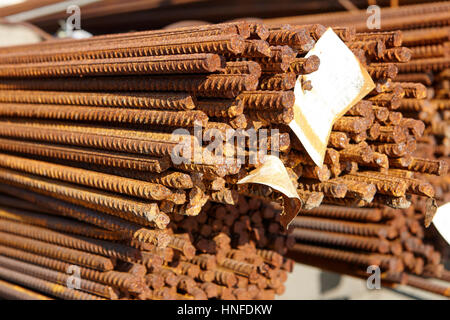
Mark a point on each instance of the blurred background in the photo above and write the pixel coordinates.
(107, 16)
(29, 21)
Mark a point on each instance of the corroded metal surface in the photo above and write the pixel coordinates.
(86, 134)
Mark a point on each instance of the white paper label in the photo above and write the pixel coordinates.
(338, 84)
(441, 221)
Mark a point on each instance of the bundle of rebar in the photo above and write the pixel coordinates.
(430, 65)
(376, 139)
(414, 16)
(426, 35)
(98, 150)
(146, 85)
(86, 134)
(208, 256)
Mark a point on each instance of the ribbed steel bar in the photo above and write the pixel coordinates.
(116, 205)
(68, 136)
(235, 28)
(213, 85)
(104, 114)
(356, 228)
(226, 44)
(121, 280)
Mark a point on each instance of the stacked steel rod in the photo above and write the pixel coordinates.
(430, 65)
(425, 75)
(142, 15)
(210, 92)
(178, 79)
(86, 134)
(43, 251)
(350, 240)
(435, 14)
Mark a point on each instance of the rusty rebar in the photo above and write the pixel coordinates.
(47, 287)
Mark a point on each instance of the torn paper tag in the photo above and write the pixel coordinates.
(273, 173)
(441, 221)
(430, 211)
(339, 83)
